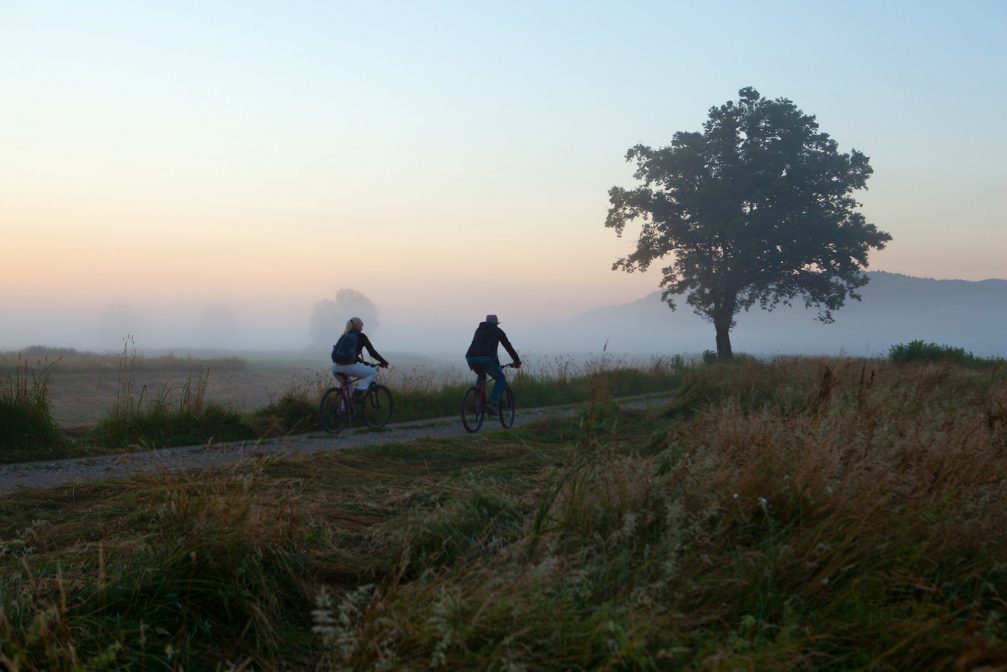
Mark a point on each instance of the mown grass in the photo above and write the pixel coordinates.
(804, 514)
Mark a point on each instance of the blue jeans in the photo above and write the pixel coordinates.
(485, 364)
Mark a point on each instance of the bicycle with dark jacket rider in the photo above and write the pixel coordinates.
(482, 357)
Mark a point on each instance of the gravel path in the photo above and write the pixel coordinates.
(78, 470)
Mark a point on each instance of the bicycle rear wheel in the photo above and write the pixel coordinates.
(332, 411)
(472, 411)
(507, 409)
(377, 406)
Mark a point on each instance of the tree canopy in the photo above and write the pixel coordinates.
(328, 317)
(755, 209)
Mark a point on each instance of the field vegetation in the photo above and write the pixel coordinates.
(922, 351)
(794, 515)
(182, 412)
(27, 428)
(70, 359)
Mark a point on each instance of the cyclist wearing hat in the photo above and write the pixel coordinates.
(482, 357)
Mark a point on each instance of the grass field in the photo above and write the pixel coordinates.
(91, 404)
(799, 515)
(83, 386)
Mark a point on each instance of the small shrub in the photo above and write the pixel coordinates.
(295, 411)
(921, 351)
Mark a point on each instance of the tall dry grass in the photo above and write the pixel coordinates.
(178, 415)
(199, 572)
(27, 427)
(793, 515)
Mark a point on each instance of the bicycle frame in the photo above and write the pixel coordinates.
(338, 409)
(481, 384)
(347, 384)
(475, 408)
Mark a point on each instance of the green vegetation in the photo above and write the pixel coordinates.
(295, 411)
(921, 351)
(181, 415)
(176, 418)
(164, 424)
(27, 429)
(563, 386)
(795, 515)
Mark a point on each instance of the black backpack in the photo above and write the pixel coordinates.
(345, 349)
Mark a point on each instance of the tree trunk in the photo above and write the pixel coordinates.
(724, 352)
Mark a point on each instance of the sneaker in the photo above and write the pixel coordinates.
(491, 409)
(358, 395)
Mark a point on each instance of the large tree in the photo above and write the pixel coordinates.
(328, 317)
(756, 209)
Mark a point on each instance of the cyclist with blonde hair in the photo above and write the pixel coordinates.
(346, 357)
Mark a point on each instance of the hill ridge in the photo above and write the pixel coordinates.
(895, 308)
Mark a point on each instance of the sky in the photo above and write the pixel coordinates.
(447, 159)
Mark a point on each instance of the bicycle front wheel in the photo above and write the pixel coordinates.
(507, 409)
(472, 411)
(332, 411)
(377, 406)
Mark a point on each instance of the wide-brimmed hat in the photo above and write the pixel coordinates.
(493, 319)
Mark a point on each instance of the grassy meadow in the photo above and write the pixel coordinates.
(66, 403)
(795, 515)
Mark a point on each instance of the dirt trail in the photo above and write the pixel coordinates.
(69, 472)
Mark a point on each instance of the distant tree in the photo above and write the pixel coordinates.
(756, 209)
(218, 326)
(328, 317)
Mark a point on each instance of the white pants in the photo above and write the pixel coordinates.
(365, 373)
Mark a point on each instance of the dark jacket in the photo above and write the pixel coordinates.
(364, 342)
(486, 339)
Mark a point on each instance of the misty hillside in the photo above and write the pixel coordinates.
(895, 309)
